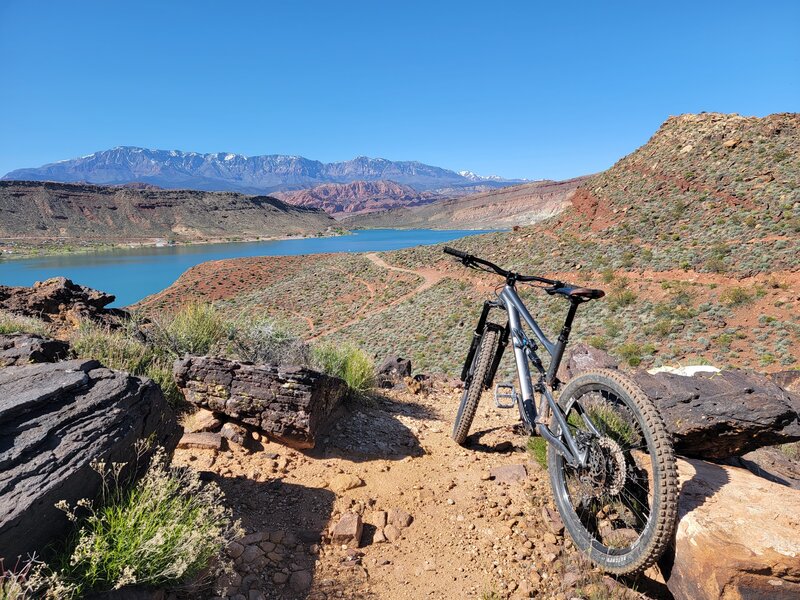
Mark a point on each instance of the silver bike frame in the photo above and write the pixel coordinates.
(524, 355)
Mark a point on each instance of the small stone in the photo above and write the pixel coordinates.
(267, 546)
(378, 538)
(379, 519)
(300, 581)
(235, 549)
(201, 420)
(276, 537)
(202, 441)
(549, 538)
(392, 533)
(234, 433)
(252, 538)
(251, 553)
(348, 530)
(280, 578)
(256, 595)
(399, 518)
(344, 482)
(509, 473)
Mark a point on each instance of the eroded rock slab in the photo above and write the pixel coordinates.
(738, 536)
(27, 348)
(56, 419)
(718, 415)
(60, 301)
(291, 404)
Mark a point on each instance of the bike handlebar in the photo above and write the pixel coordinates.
(470, 261)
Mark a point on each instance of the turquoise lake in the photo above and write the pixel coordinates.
(132, 274)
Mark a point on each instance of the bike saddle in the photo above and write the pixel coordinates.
(571, 291)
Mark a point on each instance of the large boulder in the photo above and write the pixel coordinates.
(738, 536)
(60, 301)
(56, 419)
(723, 414)
(27, 348)
(710, 413)
(291, 404)
(393, 370)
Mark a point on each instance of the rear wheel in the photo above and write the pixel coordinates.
(621, 509)
(474, 385)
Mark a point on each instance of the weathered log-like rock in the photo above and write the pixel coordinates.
(290, 404)
(56, 419)
(717, 415)
(60, 301)
(27, 348)
(738, 536)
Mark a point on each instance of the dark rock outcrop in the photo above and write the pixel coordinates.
(291, 404)
(27, 348)
(581, 357)
(60, 301)
(711, 415)
(718, 415)
(55, 420)
(393, 370)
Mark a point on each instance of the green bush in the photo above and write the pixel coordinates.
(162, 531)
(197, 329)
(347, 362)
(119, 349)
(736, 296)
(264, 341)
(11, 323)
(537, 446)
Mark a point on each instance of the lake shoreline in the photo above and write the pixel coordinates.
(101, 246)
(131, 274)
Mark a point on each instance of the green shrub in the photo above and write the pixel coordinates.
(537, 446)
(118, 349)
(736, 296)
(162, 531)
(263, 341)
(11, 323)
(197, 329)
(620, 298)
(633, 352)
(346, 362)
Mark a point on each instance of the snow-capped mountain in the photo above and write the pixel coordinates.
(236, 172)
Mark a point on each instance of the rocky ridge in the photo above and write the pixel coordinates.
(45, 210)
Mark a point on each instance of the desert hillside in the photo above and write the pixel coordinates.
(523, 204)
(44, 211)
(694, 237)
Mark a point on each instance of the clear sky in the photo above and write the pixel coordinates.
(520, 89)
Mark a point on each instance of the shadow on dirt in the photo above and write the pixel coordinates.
(294, 517)
(376, 429)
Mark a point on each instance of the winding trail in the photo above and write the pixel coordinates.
(430, 277)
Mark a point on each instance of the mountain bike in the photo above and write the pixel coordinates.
(609, 457)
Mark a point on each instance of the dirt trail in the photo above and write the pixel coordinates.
(430, 277)
(470, 536)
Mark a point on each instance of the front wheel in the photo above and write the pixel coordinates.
(474, 385)
(621, 509)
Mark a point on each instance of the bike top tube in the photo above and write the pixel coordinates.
(510, 297)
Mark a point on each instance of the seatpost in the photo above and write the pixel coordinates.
(561, 344)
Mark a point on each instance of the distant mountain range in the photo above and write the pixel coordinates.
(341, 199)
(174, 169)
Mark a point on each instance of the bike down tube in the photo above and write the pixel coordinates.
(513, 303)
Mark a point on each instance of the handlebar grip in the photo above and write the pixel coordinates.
(454, 252)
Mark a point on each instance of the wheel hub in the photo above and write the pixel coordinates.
(605, 472)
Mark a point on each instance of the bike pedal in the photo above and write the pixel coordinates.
(499, 397)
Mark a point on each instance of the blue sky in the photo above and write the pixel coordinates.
(521, 89)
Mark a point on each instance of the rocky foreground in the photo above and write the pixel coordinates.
(386, 506)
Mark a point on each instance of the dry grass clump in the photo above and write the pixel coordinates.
(11, 323)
